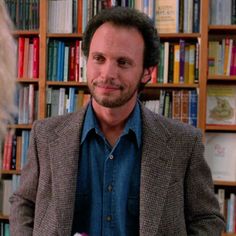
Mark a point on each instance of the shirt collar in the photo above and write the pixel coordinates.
(133, 124)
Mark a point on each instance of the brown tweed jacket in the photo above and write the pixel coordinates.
(176, 195)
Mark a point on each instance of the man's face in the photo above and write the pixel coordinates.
(115, 65)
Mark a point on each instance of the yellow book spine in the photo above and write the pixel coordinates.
(176, 63)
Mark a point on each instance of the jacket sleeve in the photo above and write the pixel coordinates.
(23, 200)
(201, 206)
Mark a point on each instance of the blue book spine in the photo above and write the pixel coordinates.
(59, 61)
(62, 61)
(71, 99)
(193, 107)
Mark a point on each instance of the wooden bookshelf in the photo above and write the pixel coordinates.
(206, 31)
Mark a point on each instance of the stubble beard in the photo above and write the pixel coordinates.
(110, 102)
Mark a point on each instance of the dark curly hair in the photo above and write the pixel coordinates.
(126, 17)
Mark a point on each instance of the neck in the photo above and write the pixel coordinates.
(112, 120)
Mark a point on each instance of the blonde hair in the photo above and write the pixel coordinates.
(7, 69)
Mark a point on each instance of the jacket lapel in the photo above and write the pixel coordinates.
(157, 157)
(64, 155)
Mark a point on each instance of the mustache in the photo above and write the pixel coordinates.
(109, 83)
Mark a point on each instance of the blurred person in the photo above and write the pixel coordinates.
(7, 69)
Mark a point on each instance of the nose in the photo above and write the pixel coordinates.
(109, 70)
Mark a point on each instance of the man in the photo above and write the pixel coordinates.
(116, 168)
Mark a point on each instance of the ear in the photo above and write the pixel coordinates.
(147, 74)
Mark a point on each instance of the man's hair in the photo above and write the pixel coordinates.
(7, 69)
(130, 18)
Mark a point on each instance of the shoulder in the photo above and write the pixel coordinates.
(58, 123)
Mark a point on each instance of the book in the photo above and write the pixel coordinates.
(220, 155)
(21, 45)
(221, 105)
(167, 16)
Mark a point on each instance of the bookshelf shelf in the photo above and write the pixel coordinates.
(221, 128)
(157, 85)
(221, 78)
(20, 126)
(180, 35)
(26, 80)
(229, 234)
(3, 217)
(74, 35)
(221, 27)
(10, 172)
(67, 84)
(225, 183)
(26, 32)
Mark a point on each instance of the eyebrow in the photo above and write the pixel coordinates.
(126, 58)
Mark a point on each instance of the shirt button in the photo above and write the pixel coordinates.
(108, 218)
(109, 188)
(111, 157)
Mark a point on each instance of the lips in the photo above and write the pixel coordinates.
(108, 86)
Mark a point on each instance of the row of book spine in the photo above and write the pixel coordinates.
(24, 13)
(179, 63)
(180, 105)
(178, 16)
(65, 100)
(27, 103)
(28, 57)
(223, 12)
(4, 229)
(15, 150)
(7, 187)
(65, 61)
(228, 209)
(222, 57)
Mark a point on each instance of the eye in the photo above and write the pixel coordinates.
(123, 63)
(98, 58)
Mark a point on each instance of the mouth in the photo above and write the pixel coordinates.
(108, 86)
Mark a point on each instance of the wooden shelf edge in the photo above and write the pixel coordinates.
(179, 35)
(25, 32)
(64, 35)
(69, 83)
(168, 85)
(220, 127)
(19, 126)
(10, 172)
(222, 77)
(228, 234)
(4, 217)
(221, 27)
(27, 80)
(225, 183)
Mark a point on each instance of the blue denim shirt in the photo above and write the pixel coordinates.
(108, 185)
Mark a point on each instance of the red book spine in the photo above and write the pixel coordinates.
(9, 151)
(21, 43)
(35, 57)
(72, 63)
(77, 59)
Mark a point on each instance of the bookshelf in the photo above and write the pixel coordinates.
(206, 32)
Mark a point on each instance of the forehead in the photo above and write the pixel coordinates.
(110, 37)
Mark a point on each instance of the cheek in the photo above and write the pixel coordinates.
(91, 71)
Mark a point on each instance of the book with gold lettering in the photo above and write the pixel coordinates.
(167, 16)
